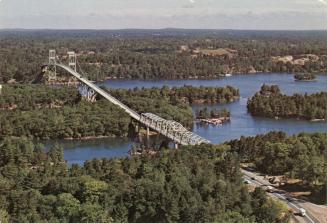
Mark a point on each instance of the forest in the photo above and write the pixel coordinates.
(207, 113)
(193, 184)
(163, 54)
(270, 102)
(302, 156)
(44, 112)
(183, 95)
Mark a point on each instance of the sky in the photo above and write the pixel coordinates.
(153, 14)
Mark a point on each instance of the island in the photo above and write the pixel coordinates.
(44, 112)
(271, 103)
(213, 117)
(305, 77)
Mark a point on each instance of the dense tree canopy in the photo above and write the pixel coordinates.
(194, 184)
(303, 156)
(206, 113)
(29, 97)
(181, 95)
(163, 54)
(43, 112)
(270, 102)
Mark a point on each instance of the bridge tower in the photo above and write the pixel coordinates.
(72, 63)
(52, 66)
(72, 60)
(87, 93)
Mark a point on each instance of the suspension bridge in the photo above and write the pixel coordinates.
(168, 128)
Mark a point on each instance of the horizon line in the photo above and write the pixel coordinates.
(152, 29)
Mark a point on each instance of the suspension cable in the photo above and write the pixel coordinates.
(80, 68)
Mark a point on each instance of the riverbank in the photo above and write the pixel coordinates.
(215, 77)
(305, 80)
(91, 137)
(218, 77)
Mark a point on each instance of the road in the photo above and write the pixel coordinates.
(292, 203)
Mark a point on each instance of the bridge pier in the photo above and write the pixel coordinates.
(137, 128)
(147, 132)
(148, 137)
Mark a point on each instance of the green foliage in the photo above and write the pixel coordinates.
(81, 120)
(147, 55)
(41, 112)
(271, 103)
(94, 213)
(181, 95)
(268, 210)
(205, 113)
(29, 97)
(67, 207)
(305, 77)
(302, 156)
(4, 216)
(193, 184)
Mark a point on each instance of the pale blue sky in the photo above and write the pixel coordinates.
(117, 14)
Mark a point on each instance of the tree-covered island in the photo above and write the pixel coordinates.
(270, 102)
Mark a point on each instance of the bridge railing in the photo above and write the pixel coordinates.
(172, 130)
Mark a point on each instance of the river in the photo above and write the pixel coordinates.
(241, 122)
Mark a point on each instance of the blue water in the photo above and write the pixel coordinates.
(242, 124)
(78, 151)
(248, 84)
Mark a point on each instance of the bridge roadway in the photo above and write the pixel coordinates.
(171, 129)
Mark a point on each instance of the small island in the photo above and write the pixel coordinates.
(213, 117)
(272, 103)
(305, 77)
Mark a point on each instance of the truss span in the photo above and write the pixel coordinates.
(171, 129)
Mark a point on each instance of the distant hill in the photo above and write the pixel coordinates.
(271, 34)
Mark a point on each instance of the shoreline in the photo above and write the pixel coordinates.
(286, 118)
(86, 138)
(189, 78)
(214, 121)
(179, 79)
(306, 80)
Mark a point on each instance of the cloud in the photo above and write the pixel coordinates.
(191, 1)
(323, 2)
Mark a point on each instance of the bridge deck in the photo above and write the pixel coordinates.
(171, 129)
